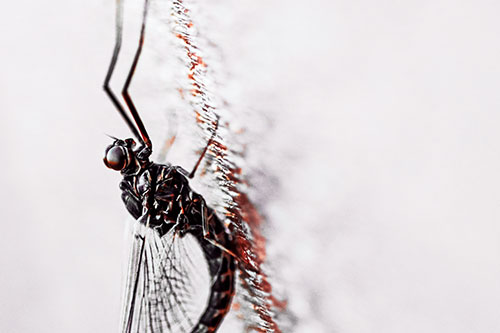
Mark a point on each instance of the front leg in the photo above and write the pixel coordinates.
(132, 202)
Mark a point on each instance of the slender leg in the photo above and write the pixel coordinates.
(125, 92)
(206, 231)
(204, 220)
(111, 68)
(209, 142)
(220, 246)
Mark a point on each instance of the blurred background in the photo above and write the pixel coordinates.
(380, 134)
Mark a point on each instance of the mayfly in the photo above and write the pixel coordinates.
(160, 198)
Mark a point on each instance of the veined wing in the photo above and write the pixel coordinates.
(167, 282)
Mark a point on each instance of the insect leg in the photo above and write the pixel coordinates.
(125, 92)
(204, 220)
(220, 246)
(111, 68)
(191, 175)
(206, 229)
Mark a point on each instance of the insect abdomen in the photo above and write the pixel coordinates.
(222, 270)
(222, 289)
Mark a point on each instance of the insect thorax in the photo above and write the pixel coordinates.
(163, 193)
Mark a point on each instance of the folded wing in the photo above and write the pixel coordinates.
(167, 283)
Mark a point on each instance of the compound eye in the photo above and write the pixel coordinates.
(116, 158)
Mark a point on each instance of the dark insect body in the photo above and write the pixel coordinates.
(159, 197)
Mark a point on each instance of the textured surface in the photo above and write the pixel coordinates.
(377, 123)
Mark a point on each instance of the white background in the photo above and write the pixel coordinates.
(384, 142)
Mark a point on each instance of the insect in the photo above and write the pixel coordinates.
(168, 212)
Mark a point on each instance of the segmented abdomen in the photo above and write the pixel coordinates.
(222, 270)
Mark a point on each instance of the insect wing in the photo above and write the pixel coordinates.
(167, 283)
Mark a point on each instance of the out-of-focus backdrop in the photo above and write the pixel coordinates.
(383, 141)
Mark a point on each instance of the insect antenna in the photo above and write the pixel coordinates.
(125, 92)
(111, 68)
